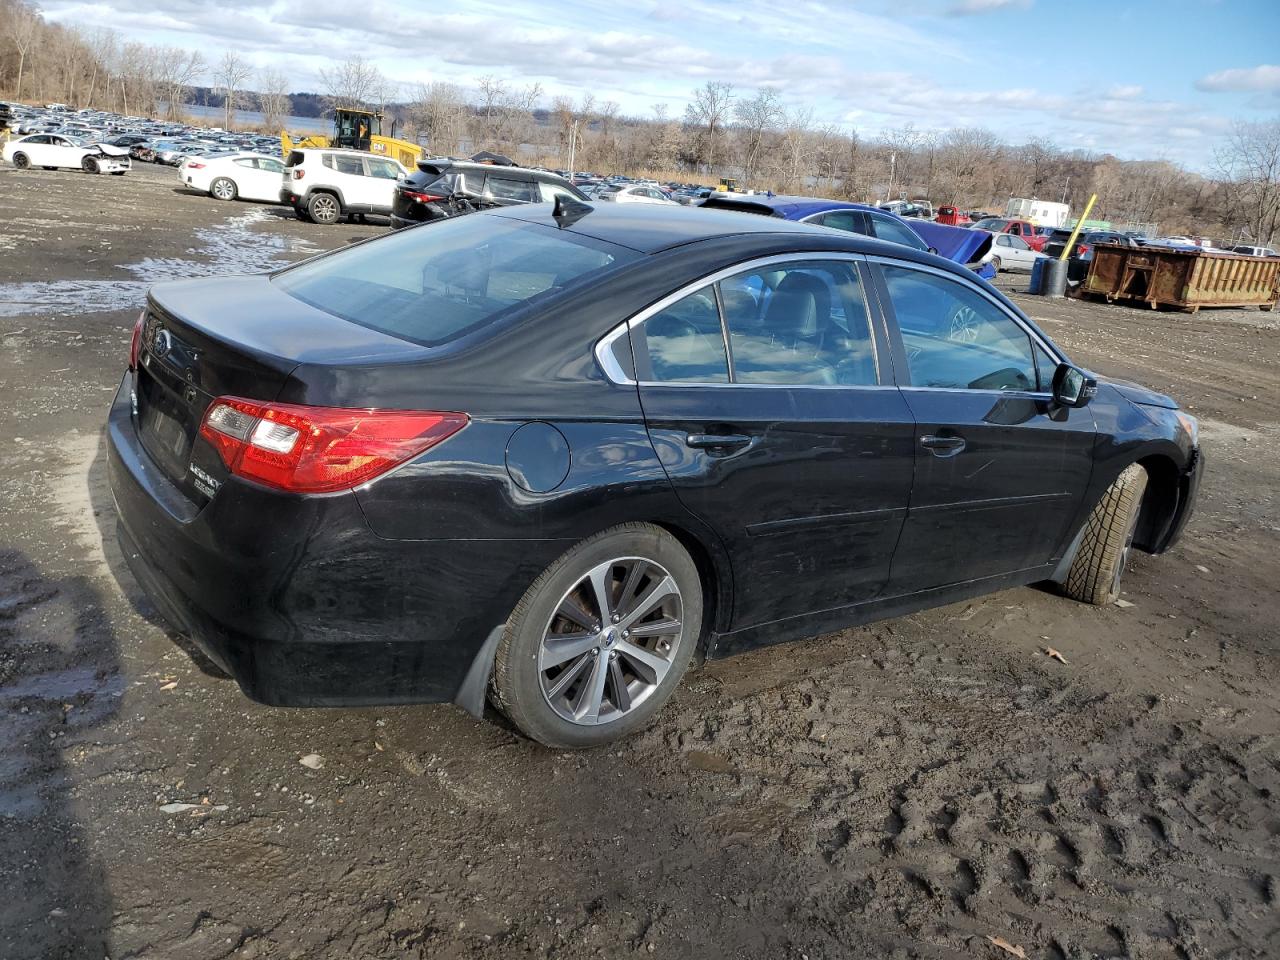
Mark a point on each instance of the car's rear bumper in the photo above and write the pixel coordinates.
(296, 598)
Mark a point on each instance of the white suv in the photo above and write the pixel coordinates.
(325, 185)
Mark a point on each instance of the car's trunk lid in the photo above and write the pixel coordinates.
(237, 336)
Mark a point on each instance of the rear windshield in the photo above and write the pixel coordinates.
(434, 283)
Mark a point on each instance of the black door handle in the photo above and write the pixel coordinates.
(942, 446)
(709, 441)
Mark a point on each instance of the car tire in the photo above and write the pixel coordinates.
(223, 189)
(21, 161)
(89, 165)
(607, 686)
(995, 262)
(1100, 561)
(324, 208)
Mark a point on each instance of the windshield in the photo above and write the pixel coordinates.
(434, 283)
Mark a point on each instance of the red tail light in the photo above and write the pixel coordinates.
(135, 343)
(302, 449)
(421, 197)
(192, 165)
(1082, 249)
(298, 174)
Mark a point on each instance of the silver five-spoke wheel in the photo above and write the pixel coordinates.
(611, 640)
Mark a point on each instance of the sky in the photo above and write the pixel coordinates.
(1149, 79)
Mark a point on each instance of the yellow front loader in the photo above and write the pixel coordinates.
(358, 130)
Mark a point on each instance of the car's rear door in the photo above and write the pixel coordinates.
(781, 429)
(1000, 469)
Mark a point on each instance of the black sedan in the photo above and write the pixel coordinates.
(556, 454)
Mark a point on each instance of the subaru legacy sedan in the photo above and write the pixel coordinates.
(556, 454)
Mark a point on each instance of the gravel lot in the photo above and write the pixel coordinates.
(909, 789)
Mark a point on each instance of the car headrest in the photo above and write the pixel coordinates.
(800, 307)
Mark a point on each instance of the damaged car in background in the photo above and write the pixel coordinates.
(51, 151)
(954, 243)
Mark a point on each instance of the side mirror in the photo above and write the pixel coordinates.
(1072, 387)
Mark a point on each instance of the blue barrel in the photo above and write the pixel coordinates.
(1037, 270)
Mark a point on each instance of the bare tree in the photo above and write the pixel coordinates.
(439, 115)
(710, 109)
(798, 146)
(273, 94)
(176, 69)
(757, 118)
(231, 73)
(23, 28)
(1249, 164)
(352, 83)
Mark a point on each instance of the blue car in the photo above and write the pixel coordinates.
(967, 247)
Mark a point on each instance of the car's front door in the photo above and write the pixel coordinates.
(769, 399)
(382, 174)
(1000, 469)
(355, 186)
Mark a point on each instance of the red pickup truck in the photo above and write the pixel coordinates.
(1019, 228)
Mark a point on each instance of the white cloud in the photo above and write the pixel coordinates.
(972, 8)
(1265, 77)
(1125, 92)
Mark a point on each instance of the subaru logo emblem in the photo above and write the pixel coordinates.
(162, 344)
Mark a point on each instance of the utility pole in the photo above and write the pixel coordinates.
(573, 138)
(893, 160)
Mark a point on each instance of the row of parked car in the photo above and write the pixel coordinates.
(102, 142)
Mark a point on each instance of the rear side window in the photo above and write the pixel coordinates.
(795, 324)
(350, 165)
(505, 188)
(799, 324)
(848, 220)
(433, 286)
(684, 342)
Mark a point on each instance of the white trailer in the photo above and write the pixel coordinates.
(1043, 213)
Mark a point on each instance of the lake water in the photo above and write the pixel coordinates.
(214, 116)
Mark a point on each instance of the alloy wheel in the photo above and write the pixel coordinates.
(224, 189)
(324, 209)
(611, 640)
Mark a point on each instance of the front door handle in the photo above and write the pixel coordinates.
(942, 446)
(711, 441)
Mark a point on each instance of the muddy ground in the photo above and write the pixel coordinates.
(904, 790)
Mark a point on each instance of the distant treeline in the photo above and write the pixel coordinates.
(300, 104)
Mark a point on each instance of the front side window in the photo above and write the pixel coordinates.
(382, 169)
(955, 338)
(549, 191)
(271, 166)
(894, 232)
(433, 286)
(1017, 243)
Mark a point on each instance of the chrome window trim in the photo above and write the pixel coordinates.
(614, 372)
(947, 275)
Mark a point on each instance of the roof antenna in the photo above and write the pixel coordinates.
(569, 210)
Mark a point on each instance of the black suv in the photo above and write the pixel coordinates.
(428, 193)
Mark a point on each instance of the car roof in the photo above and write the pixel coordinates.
(441, 164)
(787, 207)
(652, 228)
